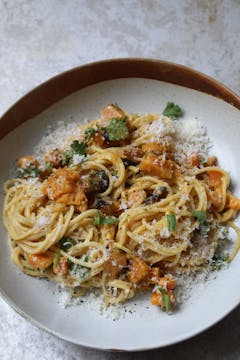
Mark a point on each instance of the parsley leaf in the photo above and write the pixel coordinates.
(29, 171)
(173, 111)
(80, 271)
(165, 297)
(89, 133)
(218, 261)
(200, 216)
(56, 259)
(47, 167)
(117, 129)
(66, 243)
(203, 161)
(76, 148)
(171, 221)
(104, 220)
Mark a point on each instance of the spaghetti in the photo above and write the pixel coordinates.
(120, 209)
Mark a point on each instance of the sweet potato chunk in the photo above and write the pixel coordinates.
(154, 165)
(54, 157)
(64, 187)
(40, 261)
(111, 111)
(155, 147)
(116, 262)
(138, 271)
(62, 267)
(26, 161)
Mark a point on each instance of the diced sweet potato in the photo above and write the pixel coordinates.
(153, 275)
(99, 139)
(167, 282)
(138, 271)
(152, 164)
(215, 178)
(136, 198)
(62, 267)
(26, 161)
(64, 187)
(212, 161)
(154, 147)
(54, 157)
(156, 298)
(116, 262)
(111, 111)
(40, 261)
(194, 160)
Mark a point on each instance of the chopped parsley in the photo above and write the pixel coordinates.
(203, 161)
(172, 222)
(29, 171)
(89, 133)
(200, 216)
(173, 111)
(66, 243)
(76, 148)
(165, 297)
(80, 271)
(116, 130)
(104, 220)
(48, 166)
(56, 259)
(218, 261)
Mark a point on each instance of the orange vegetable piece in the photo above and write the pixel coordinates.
(215, 178)
(136, 198)
(40, 261)
(152, 164)
(194, 160)
(139, 270)
(153, 275)
(156, 298)
(112, 111)
(62, 267)
(54, 157)
(64, 187)
(167, 282)
(115, 264)
(154, 147)
(212, 161)
(27, 160)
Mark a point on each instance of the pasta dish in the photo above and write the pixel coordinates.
(124, 206)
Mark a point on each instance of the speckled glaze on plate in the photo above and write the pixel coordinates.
(138, 85)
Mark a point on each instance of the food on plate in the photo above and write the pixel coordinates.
(125, 204)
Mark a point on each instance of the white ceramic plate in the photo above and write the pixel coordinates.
(143, 328)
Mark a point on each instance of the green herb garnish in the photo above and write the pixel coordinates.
(171, 221)
(200, 216)
(117, 129)
(218, 261)
(76, 148)
(104, 220)
(66, 243)
(203, 161)
(29, 171)
(173, 111)
(56, 259)
(89, 133)
(165, 297)
(81, 271)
